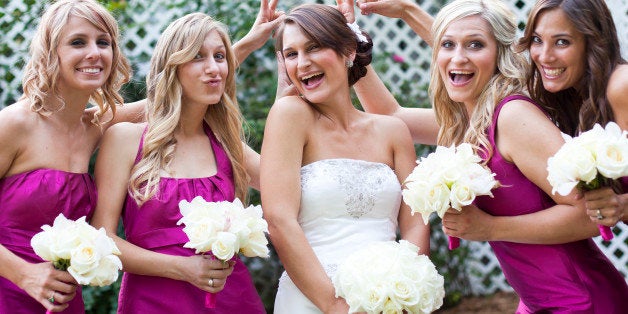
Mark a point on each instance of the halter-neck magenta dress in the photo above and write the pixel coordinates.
(153, 226)
(28, 201)
(570, 278)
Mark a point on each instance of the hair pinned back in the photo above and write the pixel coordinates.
(328, 27)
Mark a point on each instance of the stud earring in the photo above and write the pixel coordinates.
(349, 63)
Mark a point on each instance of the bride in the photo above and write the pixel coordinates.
(330, 174)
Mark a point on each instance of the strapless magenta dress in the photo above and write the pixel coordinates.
(28, 201)
(153, 226)
(570, 278)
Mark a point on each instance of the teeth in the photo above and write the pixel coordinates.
(310, 76)
(90, 70)
(461, 72)
(554, 72)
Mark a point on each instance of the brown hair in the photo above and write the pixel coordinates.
(578, 108)
(328, 27)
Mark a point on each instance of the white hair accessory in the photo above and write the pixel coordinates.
(358, 33)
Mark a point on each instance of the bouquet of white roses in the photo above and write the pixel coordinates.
(389, 277)
(589, 161)
(224, 228)
(89, 255)
(450, 177)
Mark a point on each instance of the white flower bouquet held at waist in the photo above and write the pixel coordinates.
(224, 229)
(590, 161)
(88, 254)
(389, 277)
(450, 177)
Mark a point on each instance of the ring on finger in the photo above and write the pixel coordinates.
(52, 298)
(211, 282)
(599, 215)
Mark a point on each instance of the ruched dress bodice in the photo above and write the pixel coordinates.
(345, 204)
(28, 201)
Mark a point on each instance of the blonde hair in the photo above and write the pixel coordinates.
(455, 124)
(178, 44)
(41, 73)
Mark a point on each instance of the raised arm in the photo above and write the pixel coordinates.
(113, 167)
(376, 98)
(407, 10)
(527, 138)
(268, 18)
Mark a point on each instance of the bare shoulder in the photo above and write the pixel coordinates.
(291, 109)
(123, 136)
(17, 120)
(618, 85)
(520, 113)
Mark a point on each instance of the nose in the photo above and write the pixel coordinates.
(303, 60)
(459, 55)
(93, 51)
(211, 67)
(545, 53)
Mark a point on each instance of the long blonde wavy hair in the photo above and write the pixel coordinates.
(178, 44)
(455, 124)
(41, 73)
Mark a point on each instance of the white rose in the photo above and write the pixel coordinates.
(461, 195)
(201, 235)
(107, 271)
(84, 259)
(572, 163)
(415, 195)
(42, 244)
(612, 158)
(224, 245)
(257, 245)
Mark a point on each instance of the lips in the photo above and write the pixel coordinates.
(553, 72)
(312, 79)
(91, 70)
(459, 77)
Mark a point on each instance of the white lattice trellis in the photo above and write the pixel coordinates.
(391, 37)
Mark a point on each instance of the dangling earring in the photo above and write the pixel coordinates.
(349, 63)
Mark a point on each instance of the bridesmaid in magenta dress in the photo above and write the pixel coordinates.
(542, 241)
(191, 145)
(47, 140)
(567, 34)
(574, 277)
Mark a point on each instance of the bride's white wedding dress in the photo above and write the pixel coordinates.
(345, 204)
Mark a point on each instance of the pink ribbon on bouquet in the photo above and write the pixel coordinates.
(454, 242)
(605, 232)
(210, 300)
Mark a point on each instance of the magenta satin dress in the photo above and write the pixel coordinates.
(153, 226)
(28, 201)
(570, 278)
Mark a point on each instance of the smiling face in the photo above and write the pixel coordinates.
(85, 56)
(558, 51)
(203, 78)
(467, 58)
(316, 72)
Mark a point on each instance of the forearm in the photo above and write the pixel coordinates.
(554, 225)
(419, 20)
(301, 264)
(374, 96)
(11, 265)
(244, 47)
(140, 261)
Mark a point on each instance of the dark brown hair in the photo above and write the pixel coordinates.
(578, 108)
(328, 28)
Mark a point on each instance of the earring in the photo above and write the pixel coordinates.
(349, 63)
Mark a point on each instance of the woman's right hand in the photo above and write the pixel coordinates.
(205, 272)
(45, 283)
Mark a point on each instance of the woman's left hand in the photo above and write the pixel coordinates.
(604, 207)
(471, 223)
